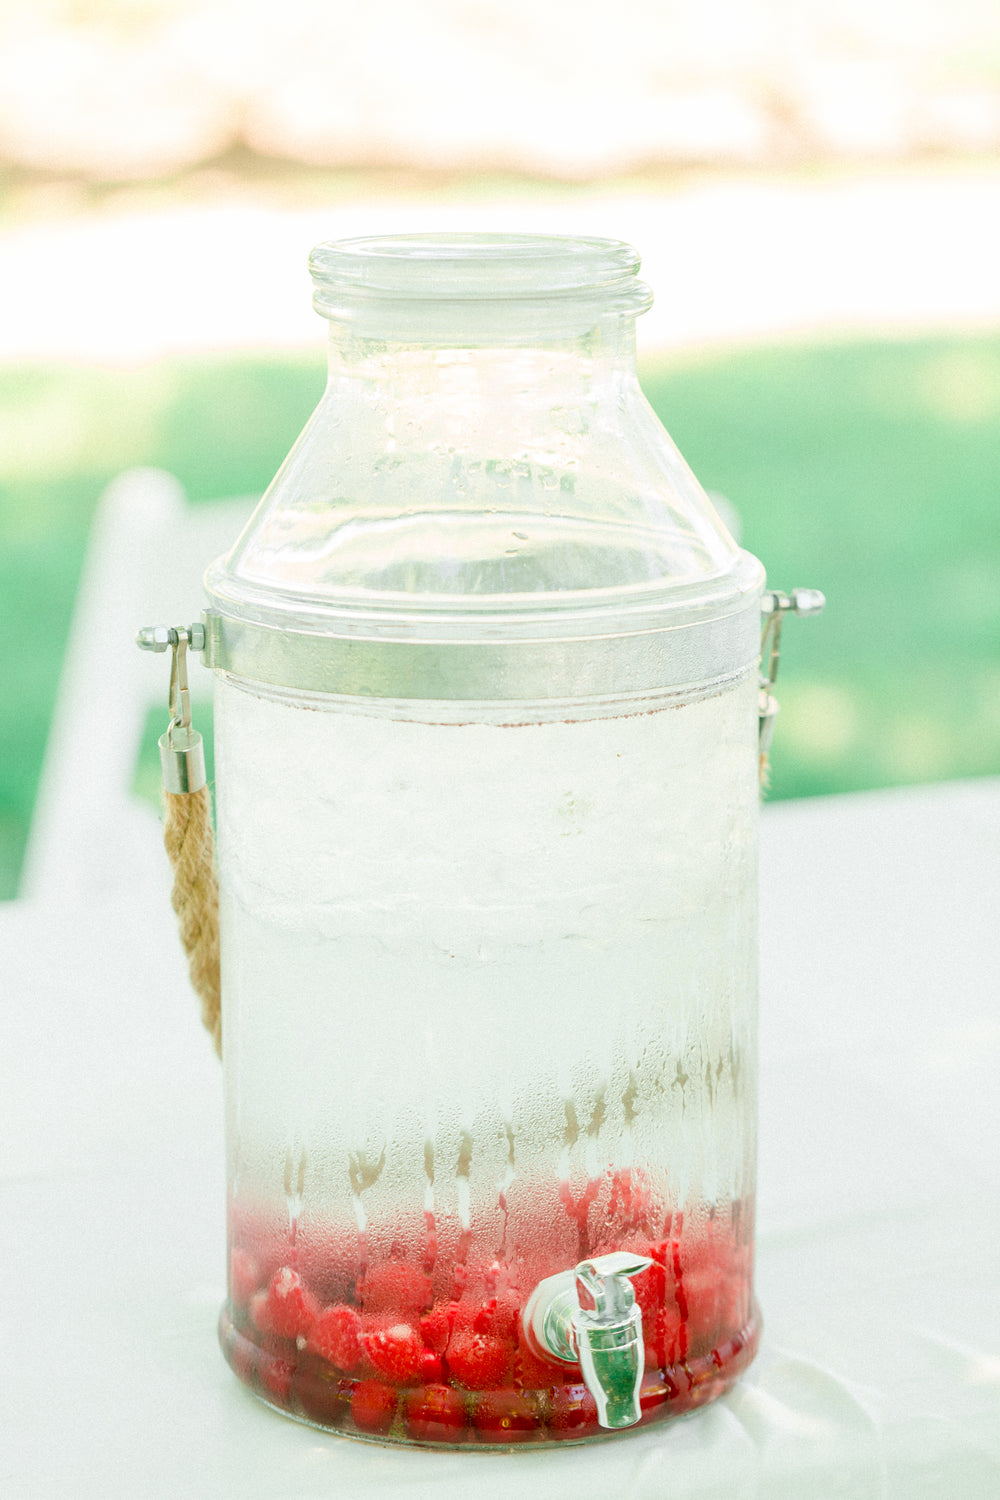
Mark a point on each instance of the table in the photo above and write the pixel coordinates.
(879, 1206)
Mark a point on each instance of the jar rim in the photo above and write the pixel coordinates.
(469, 266)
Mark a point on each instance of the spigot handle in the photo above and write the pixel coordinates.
(590, 1314)
(602, 1285)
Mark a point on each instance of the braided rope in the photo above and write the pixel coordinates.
(190, 845)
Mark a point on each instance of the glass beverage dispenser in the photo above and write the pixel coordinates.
(486, 730)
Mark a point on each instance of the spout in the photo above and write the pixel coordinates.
(590, 1314)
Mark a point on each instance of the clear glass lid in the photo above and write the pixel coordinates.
(483, 457)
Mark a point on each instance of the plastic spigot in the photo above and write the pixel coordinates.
(590, 1314)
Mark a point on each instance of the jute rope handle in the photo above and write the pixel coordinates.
(190, 845)
(187, 828)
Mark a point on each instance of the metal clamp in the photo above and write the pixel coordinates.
(775, 606)
(182, 753)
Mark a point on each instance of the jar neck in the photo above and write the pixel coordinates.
(542, 376)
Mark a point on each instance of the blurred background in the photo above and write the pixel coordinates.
(814, 188)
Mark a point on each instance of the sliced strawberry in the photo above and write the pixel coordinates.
(373, 1406)
(435, 1414)
(335, 1336)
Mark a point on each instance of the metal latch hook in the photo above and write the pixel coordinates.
(182, 753)
(775, 606)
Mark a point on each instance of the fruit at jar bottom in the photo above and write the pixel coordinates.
(435, 1414)
(392, 1356)
(373, 1406)
(572, 1412)
(442, 1415)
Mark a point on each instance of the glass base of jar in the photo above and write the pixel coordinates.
(438, 1415)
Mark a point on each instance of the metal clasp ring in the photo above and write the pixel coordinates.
(775, 606)
(182, 754)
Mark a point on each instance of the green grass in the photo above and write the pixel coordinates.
(871, 472)
(868, 470)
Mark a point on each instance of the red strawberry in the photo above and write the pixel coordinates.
(652, 1287)
(258, 1310)
(659, 1294)
(664, 1337)
(629, 1201)
(287, 1308)
(373, 1406)
(240, 1352)
(478, 1360)
(321, 1395)
(635, 1190)
(572, 1412)
(275, 1375)
(435, 1414)
(536, 1374)
(336, 1336)
(655, 1395)
(496, 1316)
(716, 1291)
(505, 1417)
(436, 1326)
(244, 1276)
(395, 1290)
(397, 1352)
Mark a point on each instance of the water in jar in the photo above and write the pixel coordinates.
(490, 1000)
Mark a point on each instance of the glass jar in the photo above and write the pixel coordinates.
(486, 749)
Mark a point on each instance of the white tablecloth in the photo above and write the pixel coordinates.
(879, 1207)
